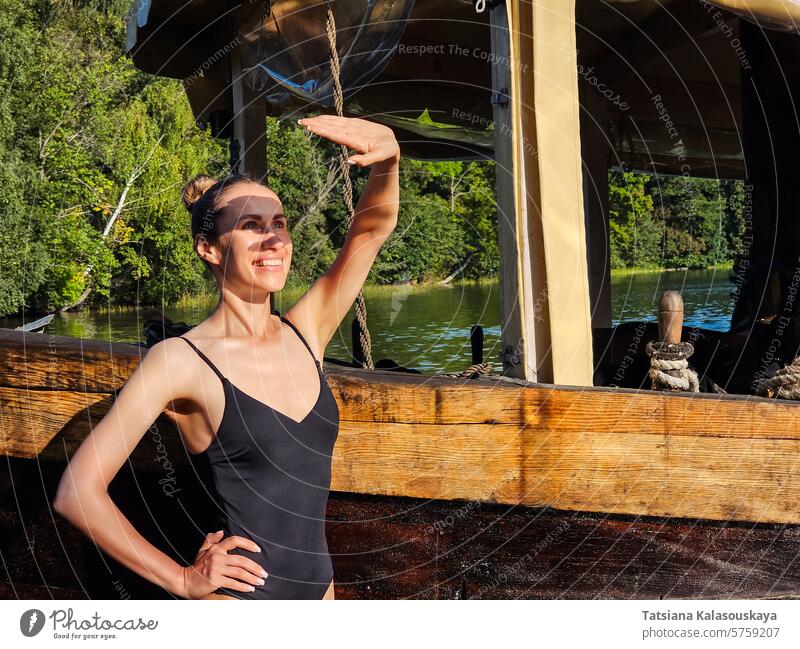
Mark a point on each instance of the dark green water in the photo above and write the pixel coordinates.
(706, 296)
(427, 328)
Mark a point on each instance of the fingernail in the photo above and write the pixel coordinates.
(260, 582)
(252, 588)
(351, 162)
(218, 532)
(258, 549)
(264, 573)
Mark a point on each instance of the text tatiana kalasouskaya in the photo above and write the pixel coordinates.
(710, 616)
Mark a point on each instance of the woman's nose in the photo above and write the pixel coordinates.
(273, 239)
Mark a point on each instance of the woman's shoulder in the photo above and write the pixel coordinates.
(173, 359)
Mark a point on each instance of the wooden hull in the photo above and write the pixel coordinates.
(441, 488)
(388, 547)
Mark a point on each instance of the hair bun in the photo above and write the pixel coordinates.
(195, 188)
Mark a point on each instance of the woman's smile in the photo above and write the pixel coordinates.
(269, 265)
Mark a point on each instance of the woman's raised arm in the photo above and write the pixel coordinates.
(164, 375)
(319, 310)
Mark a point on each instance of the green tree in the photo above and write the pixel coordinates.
(693, 213)
(94, 153)
(634, 233)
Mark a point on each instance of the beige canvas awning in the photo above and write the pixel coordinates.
(548, 188)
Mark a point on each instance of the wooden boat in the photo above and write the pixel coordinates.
(532, 484)
(441, 488)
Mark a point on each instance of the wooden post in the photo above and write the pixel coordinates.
(669, 358)
(476, 344)
(249, 145)
(670, 317)
(595, 153)
(552, 277)
(517, 320)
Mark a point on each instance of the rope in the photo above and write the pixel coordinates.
(472, 372)
(669, 367)
(347, 191)
(784, 384)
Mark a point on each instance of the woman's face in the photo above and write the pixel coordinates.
(253, 238)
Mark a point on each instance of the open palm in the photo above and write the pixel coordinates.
(373, 142)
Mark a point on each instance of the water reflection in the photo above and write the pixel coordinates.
(706, 296)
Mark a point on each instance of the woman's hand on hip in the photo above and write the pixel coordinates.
(373, 142)
(214, 568)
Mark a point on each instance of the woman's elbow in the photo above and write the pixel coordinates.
(63, 502)
(69, 497)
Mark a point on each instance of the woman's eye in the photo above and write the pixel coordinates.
(277, 224)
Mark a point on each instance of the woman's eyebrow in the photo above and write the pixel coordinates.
(279, 215)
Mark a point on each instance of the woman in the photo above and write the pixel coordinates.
(242, 388)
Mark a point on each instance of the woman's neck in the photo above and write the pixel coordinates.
(235, 317)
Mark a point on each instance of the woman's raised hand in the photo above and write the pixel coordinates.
(373, 142)
(214, 567)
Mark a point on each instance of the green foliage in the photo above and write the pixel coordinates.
(94, 153)
(633, 232)
(447, 218)
(673, 222)
(22, 236)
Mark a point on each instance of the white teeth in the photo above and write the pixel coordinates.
(269, 262)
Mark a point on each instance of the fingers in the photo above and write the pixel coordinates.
(370, 142)
(218, 568)
(336, 133)
(240, 574)
(326, 119)
(366, 159)
(210, 539)
(327, 122)
(247, 564)
(238, 542)
(232, 584)
(381, 153)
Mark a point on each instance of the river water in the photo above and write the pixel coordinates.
(428, 327)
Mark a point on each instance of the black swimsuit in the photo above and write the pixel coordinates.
(273, 475)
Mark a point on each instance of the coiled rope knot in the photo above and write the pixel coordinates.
(784, 384)
(472, 372)
(669, 367)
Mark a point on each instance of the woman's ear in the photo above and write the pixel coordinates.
(208, 252)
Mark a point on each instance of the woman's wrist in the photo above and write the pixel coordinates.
(177, 582)
(389, 163)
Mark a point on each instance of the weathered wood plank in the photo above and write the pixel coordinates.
(32, 419)
(602, 450)
(389, 547)
(44, 361)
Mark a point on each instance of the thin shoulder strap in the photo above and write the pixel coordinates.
(204, 357)
(300, 336)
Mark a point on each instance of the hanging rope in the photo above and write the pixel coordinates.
(784, 384)
(347, 191)
(669, 367)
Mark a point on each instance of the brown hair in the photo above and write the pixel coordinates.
(201, 196)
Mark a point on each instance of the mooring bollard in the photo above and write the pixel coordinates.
(669, 364)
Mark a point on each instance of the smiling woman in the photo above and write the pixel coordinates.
(242, 390)
(251, 207)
